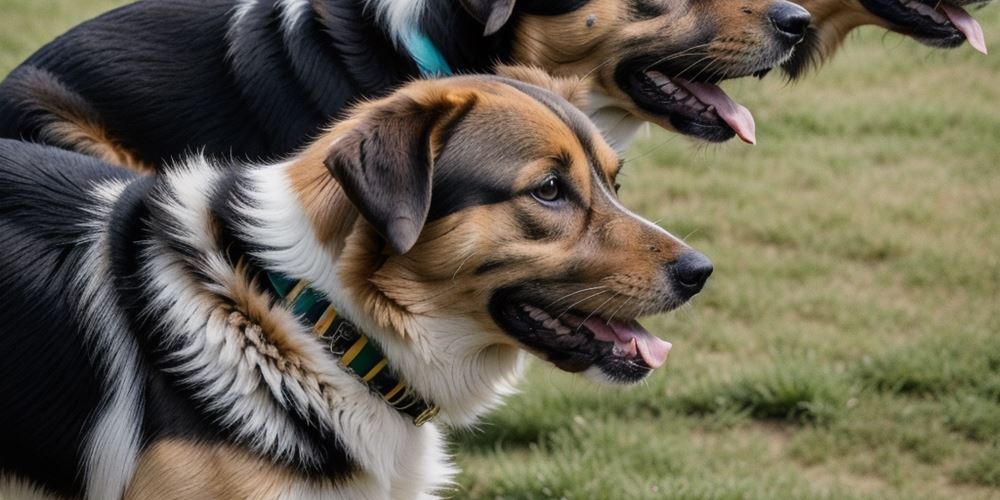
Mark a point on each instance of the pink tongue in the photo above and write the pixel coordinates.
(629, 336)
(967, 25)
(735, 115)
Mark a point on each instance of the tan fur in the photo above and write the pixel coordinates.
(181, 470)
(65, 118)
(83, 135)
(572, 88)
(328, 209)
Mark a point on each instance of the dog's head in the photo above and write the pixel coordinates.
(938, 23)
(654, 60)
(489, 212)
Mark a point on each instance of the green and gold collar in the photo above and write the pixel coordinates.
(355, 351)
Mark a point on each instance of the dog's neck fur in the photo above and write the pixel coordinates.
(275, 389)
(301, 224)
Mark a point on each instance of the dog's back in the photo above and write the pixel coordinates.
(155, 81)
(43, 214)
(56, 95)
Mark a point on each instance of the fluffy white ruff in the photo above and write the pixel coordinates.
(258, 392)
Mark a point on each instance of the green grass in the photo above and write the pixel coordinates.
(848, 345)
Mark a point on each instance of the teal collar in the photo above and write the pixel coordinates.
(356, 352)
(429, 59)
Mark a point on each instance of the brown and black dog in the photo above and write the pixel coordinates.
(155, 80)
(938, 23)
(183, 335)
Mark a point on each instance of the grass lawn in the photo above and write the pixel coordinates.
(848, 345)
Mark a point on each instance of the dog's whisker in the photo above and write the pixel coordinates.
(564, 297)
(686, 52)
(464, 261)
(691, 67)
(620, 307)
(571, 306)
(598, 308)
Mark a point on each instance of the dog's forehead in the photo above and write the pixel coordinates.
(484, 159)
(599, 152)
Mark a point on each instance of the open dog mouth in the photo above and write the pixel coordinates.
(934, 22)
(697, 108)
(575, 341)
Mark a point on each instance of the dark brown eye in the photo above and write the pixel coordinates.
(549, 191)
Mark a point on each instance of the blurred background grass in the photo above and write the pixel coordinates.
(848, 345)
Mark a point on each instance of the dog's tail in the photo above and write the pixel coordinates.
(54, 114)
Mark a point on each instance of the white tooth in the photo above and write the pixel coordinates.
(562, 330)
(551, 324)
(658, 78)
(668, 87)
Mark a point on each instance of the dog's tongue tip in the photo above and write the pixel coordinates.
(654, 351)
(967, 25)
(737, 116)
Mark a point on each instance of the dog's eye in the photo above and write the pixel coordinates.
(618, 187)
(549, 191)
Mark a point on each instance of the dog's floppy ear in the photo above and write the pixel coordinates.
(385, 163)
(574, 89)
(491, 13)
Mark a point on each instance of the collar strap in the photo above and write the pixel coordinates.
(356, 352)
(429, 59)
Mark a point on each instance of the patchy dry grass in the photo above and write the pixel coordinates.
(847, 345)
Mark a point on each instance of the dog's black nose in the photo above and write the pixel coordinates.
(690, 271)
(790, 21)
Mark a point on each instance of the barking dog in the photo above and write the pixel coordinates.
(938, 23)
(184, 335)
(255, 79)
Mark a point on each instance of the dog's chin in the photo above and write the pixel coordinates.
(612, 351)
(923, 20)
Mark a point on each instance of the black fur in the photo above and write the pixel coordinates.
(48, 385)
(51, 385)
(807, 55)
(170, 78)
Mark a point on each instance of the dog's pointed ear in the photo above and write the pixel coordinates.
(385, 163)
(574, 89)
(494, 14)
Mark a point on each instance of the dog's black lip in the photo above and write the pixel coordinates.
(683, 118)
(631, 78)
(578, 351)
(915, 24)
